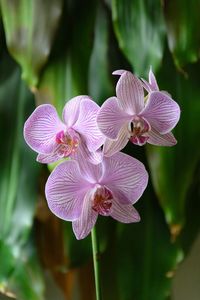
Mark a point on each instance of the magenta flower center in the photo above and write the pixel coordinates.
(138, 129)
(68, 142)
(102, 201)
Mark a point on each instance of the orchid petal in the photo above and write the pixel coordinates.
(111, 118)
(84, 224)
(146, 85)
(125, 176)
(118, 72)
(65, 190)
(111, 146)
(72, 109)
(89, 164)
(48, 158)
(155, 138)
(161, 112)
(130, 92)
(41, 128)
(153, 81)
(124, 213)
(86, 125)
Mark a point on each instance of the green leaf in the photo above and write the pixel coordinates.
(172, 169)
(145, 256)
(66, 74)
(191, 229)
(18, 182)
(183, 30)
(78, 252)
(30, 27)
(140, 30)
(100, 86)
(26, 280)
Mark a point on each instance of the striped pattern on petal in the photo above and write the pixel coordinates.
(125, 176)
(84, 224)
(41, 128)
(72, 109)
(153, 81)
(124, 213)
(65, 190)
(161, 112)
(111, 118)
(130, 92)
(111, 146)
(87, 126)
(155, 138)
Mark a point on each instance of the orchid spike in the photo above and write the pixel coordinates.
(129, 117)
(80, 191)
(78, 134)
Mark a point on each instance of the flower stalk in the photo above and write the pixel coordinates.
(95, 251)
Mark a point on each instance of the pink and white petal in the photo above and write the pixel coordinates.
(89, 164)
(155, 138)
(125, 176)
(111, 118)
(118, 72)
(41, 128)
(130, 92)
(84, 224)
(48, 158)
(65, 190)
(161, 112)
(124, 213)
(146, 85)
(72, 109)
(87, 126)
(111, 146)
(153, 81)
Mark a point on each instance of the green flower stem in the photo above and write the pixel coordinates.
(95, 251)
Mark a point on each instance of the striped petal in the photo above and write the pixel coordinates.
(41, 128)
(87, 126)
(161, 112)
(130, 92)
(113, 146)
(84, 224)
(125, 176)
(124, 213)
(111, 118)
(48, 158)
(65, 191)
(72, 109)
(153, 81)
(155, 138)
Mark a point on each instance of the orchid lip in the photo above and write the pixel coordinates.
(138, 129)
(67, 142)
(102, 201)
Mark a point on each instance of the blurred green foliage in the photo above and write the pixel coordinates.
(66, 48)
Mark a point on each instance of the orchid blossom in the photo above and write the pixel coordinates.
(78, 134)
(79, 191)
(130, 117)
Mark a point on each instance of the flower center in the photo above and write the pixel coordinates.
(68, 142)
(102, 201)
(138, 129)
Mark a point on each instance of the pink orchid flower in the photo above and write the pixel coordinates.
(129, 117)
(78, 134)
(80, 191)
